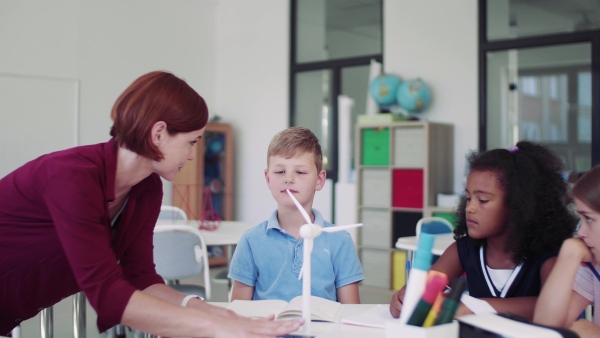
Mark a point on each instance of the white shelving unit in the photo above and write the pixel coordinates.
(401, 168)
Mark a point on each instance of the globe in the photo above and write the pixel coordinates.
(383, 89)
(413, 95)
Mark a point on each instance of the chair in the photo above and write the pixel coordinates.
(180, 252)
(169, 212)
(434, 226)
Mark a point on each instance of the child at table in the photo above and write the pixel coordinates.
(510, 224)
(268, 257)
(574, 282)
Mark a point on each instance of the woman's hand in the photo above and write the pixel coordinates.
(245, 327)
(396, 303)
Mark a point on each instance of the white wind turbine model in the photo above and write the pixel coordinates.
(309, 232)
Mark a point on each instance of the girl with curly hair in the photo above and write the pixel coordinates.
(574, 282)
(511, 222)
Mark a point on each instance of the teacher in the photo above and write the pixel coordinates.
(82, 219)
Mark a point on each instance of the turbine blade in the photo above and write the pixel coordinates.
(341, 227)
(300, 208)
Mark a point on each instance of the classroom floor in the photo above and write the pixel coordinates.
(63, 316)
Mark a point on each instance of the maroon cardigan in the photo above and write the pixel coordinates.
(55, 237)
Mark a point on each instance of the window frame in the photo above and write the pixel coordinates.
(335, 66)
(485, 46)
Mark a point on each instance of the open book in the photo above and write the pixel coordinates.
(320, 308)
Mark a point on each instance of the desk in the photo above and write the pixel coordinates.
(228, 233)
(440, 244)
(337, 330)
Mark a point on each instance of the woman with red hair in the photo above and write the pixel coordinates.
(82, 219)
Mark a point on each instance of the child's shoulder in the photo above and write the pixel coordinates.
(256, 230)
(466, 248)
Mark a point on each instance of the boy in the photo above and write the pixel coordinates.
(268, 257)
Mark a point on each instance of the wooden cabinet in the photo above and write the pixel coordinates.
(204, 187)
(401, 168)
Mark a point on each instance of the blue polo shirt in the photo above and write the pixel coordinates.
(269, 259)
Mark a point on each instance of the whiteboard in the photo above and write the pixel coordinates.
(38, 115)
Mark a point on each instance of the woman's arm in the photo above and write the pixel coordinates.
(157, 316)
(448, 263)
(174, 297)
(558, 304)
(241, 291)
(348, 294)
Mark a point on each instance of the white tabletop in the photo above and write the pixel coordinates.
(228, 232)
(339, 330)
(440, 244)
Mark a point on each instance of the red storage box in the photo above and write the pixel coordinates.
(408, 188)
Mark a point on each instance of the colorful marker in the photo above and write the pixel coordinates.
(451, 302)
(435, 309)
(436, 282)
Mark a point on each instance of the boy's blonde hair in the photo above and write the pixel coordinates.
(296, 141)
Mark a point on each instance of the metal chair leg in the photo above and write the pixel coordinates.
(47, 323)
(79, 327)
(118, 331)
(16, 332)
(140, 334)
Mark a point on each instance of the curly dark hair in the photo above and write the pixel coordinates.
(537, 198)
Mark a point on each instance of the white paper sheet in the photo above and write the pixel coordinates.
(375, 317)
(476, 305)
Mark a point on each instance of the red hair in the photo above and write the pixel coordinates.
(156, 96)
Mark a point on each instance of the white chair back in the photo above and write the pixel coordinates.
(171, 213)
(180, 252)
(434, 226)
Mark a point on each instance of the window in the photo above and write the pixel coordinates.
(332, 45)
(537, 62)
(513, 19)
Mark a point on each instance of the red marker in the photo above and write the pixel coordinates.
(435, 309)
(436, 282)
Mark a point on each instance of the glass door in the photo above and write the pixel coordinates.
(543, 95)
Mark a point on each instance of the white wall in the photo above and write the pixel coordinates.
(252, 81)
(236, 54)
(121, 40)
(437, 41)
(105, 45)
(253, 64)
(39, 37)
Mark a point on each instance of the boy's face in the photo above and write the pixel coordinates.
(589, 230)
(298, 174)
